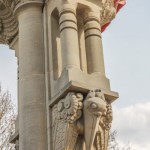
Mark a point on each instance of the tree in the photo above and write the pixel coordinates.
(114, 145)
(7, 120)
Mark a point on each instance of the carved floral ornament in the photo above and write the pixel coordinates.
(81, 123)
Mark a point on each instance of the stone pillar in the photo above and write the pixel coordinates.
(94, 49)
(32, 116)
(69, 36)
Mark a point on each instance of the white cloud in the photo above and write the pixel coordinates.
(133, 125)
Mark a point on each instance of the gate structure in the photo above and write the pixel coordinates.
(64, 96)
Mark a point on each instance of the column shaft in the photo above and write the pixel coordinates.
(32, 118)
(69, 36)
(94, 49)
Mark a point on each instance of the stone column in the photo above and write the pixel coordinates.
(69, 36)
(32, 116)
(94, 49)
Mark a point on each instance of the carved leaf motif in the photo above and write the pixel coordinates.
(65, 115)
(108, 11)
(8, 23)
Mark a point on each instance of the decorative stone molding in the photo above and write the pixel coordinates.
(8, 23)
(65, 115)
(92, 29)
(106, 7)
(88, 120)
(108, 11)
(18, 3)
(97, 121)
(17, 145)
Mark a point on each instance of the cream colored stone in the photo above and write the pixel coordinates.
(64, 95)
(32, 119)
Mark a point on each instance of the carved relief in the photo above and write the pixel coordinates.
(8, 24)
(76, 122)
(17, 145)
(1, 26)
(97, 121)
(65, 116)
(106, 7)
(108, 11)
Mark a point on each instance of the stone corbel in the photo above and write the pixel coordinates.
(81, 124)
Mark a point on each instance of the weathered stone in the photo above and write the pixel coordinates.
(64, 95)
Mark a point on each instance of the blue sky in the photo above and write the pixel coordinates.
(127, 51)
(127, 60)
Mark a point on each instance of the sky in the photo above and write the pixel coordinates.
(126, 45)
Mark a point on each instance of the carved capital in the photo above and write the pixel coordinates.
(105, 10)
(108, 11)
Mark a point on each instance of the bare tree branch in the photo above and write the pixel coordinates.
(7, 120)
(114, 144)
